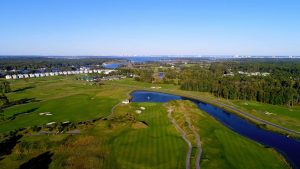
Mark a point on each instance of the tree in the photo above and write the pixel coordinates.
(3, 100)
(4, 87)
(1, 114)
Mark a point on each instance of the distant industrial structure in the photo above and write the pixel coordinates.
(37, 75)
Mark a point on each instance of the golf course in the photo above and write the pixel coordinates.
(103, 132)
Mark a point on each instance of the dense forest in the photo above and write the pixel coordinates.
(281, 87)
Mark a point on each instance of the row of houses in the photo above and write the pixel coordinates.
(254, 73)
(36, 75)
(248, 73)
(105, 78)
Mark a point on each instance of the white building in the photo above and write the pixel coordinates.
(31, 75)
(56, 73)
(8, 77)
(108, 71)
(37, 75)
(65, 72)
(265, 74)
(20, 76)
(14, 76)
(26, 76)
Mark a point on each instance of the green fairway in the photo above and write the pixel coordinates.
(282, 115)
(156, 145)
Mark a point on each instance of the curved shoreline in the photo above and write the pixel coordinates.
(231, 109)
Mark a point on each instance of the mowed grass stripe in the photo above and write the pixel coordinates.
(166, 142)
(151, 147)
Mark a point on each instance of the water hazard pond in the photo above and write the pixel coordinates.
(288, 147)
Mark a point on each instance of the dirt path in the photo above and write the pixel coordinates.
(183, 135)
(114, 107)
(112, 110)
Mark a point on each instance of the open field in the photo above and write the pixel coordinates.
(126, 139)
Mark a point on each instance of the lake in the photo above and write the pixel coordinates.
(111, 65)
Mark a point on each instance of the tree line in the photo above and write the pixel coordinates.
(281, 87)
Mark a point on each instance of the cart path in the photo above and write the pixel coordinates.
(198, 142)
(183, 135)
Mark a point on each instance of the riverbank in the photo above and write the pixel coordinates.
(257, 121)
(171, 89)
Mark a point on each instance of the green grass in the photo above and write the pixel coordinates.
(119, 142)
(141, 85)
(66, 99)
(285, 116)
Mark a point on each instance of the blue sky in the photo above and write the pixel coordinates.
(149, 27)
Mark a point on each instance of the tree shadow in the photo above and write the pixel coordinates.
(23, 89)
(42, 161)
(21, 113)
(20, 101)
(8, 144)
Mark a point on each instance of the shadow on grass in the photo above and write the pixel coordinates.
(42, 161)
(145, 123)
(7, 145)
(23, 89)
(22, 113)
(20, 101)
